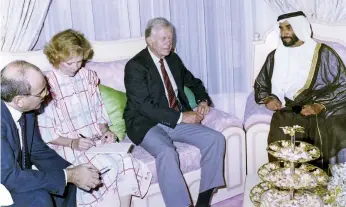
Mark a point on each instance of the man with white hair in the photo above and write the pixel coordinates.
(304, 82)
(158, 113)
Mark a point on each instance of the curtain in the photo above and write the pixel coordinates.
(284, 6)
(210, 35)
(20, 23)
(322, 10)
(330, 10)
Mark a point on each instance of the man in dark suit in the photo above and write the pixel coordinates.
(158, 113)
(23, 88)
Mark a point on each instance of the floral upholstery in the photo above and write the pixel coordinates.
(189, 155)
(112, 75)
(255, 114)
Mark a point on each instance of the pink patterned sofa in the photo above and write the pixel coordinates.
(109, 61)
(112, 74)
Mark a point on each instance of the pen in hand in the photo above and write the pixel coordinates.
(104, 170)
(82, 136)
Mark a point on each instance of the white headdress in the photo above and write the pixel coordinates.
(292, 64)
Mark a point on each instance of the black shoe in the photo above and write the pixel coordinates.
(204, 198)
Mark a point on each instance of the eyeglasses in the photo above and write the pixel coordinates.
(41, 94)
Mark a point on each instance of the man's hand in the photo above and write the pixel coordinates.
(82, 144)
(192, 117)
(203, 108)
(311, 109)
(108, 137)
(273, 104)
(84, 176)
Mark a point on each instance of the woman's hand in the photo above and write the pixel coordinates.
(108, 137)
(82, 144)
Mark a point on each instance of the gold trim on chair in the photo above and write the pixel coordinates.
(312, 71)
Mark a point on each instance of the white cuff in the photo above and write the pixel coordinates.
(180, 118)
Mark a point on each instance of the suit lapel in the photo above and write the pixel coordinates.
(174, 70)
(156, 78)
(14, 139)
(149, 63)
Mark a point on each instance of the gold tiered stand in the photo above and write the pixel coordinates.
(290, 181)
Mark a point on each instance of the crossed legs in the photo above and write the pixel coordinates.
(159, 143)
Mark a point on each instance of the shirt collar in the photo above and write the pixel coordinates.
(155, 59)
(15, 113)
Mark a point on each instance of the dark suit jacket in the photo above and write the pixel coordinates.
(50, 176)
(147, 104)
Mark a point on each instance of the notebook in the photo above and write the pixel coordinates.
(110, 148)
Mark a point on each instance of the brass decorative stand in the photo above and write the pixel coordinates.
(290, 181)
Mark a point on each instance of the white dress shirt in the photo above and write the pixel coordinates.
(170, 76)
(16, 116)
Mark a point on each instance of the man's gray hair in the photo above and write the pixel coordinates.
(16, 83)
(159, 21)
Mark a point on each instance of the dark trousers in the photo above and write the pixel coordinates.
(42, 198)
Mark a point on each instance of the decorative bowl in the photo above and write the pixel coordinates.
(328, 197)
(277, 198)
(303, 152)
(283, 179)
(265, 170)
(257, 191)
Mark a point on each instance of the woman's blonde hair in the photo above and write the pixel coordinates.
(67, 44)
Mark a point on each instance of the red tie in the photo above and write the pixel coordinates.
(172, 101)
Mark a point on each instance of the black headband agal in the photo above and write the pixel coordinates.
(289, 15)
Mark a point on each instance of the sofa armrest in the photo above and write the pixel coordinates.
(219, 120)
(256, 113)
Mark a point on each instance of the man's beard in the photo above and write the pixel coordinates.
(294, 39)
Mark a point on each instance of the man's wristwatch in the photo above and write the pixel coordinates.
(203, 100)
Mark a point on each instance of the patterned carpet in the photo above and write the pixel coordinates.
(236, 201)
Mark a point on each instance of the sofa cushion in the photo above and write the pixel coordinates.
(114, 102)
(189, 157)
(219, 120)
(339, 48)
(191, 97)
(255, 113)
(111, 74)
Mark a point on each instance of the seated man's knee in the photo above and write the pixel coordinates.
(42, 198)
(220, 140)
(169, 152)
(34, 198)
